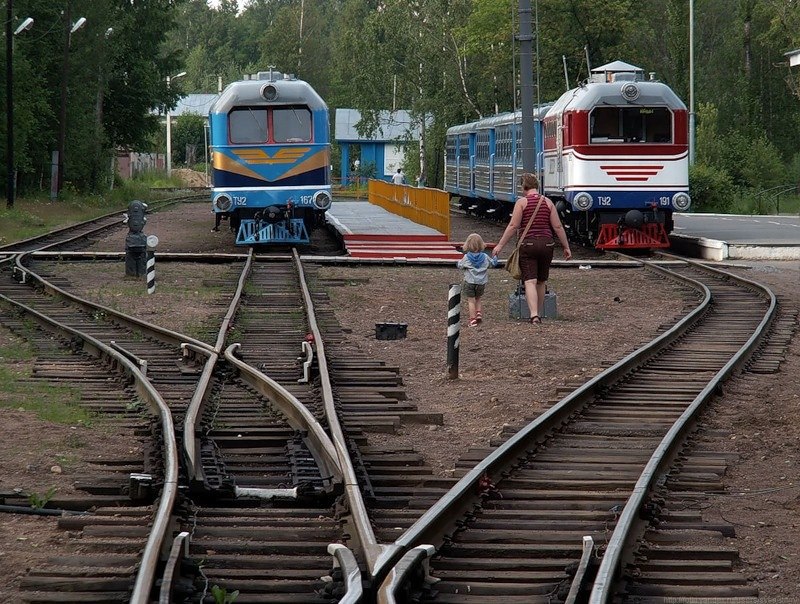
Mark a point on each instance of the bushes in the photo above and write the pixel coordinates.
(734, 168)
(712, 189)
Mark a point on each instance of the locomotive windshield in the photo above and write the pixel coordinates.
(291, 125)
(630, 125)
(259, 125)
(248, 125)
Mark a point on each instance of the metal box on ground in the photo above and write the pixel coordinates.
(390, 331)
(518, 306)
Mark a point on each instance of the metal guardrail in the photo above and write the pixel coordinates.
(428, 207)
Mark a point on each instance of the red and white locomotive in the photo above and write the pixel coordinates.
(615, 159)
(612, 155)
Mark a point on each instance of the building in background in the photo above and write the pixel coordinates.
(384, 148)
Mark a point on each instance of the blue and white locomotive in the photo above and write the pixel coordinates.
(612, 154)
(270, 156)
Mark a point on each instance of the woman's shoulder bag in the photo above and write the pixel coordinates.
(512, 264)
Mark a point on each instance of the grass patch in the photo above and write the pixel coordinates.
(58, 404)
(38, 214)
(39, 500)
(19, 351)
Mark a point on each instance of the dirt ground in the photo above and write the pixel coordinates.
(508, 371)
(190, 178)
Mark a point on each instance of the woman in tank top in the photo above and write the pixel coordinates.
(536, 251)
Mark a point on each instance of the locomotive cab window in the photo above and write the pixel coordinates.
(260, 125)
(630, 125)
(291, 125)
(248, 125)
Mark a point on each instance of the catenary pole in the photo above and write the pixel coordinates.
(9, 107)
(526, 85)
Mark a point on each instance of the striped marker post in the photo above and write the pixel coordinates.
(152, 242)
(453, 330)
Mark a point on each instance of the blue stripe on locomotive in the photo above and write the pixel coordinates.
(627, 200)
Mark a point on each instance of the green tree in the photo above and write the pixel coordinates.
(188, 139)
(446, 61)
(112, 81)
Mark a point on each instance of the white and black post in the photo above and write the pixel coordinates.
(453, 329)
(152, 242)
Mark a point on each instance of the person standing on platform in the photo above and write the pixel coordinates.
(475, 265)
(536, 251)
(398, 178)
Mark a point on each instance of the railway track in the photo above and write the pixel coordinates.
(556, 512)
(246, 453)
(275, 507)
(154, 372)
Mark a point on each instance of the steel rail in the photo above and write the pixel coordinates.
(144, 389)
(298, 416)
(446, 512)
(163, 516)
(192, 417)
(162, 256)
(623, 536)
(132, 322)
(375, 554)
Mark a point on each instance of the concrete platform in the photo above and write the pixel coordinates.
(737, 237)
(369, 231)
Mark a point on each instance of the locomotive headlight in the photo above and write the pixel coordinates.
(269, 92)
(583, 200)
(681, 201)
(223, 202)
(321, 200)
(629, 91)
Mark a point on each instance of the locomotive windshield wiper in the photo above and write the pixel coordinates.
(261, 131)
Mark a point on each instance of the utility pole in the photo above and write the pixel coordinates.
(70, 28)
(62, 115)
(10, 165)
(526, 86)
(9, 107)
(169, 126)
(691, 83)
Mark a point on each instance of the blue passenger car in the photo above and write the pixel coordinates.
(483, 161)
(270, 150)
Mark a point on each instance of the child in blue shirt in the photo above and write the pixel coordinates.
(475, 265)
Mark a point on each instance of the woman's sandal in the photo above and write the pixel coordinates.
(478, 317)
(473, 322)
(536, 320)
